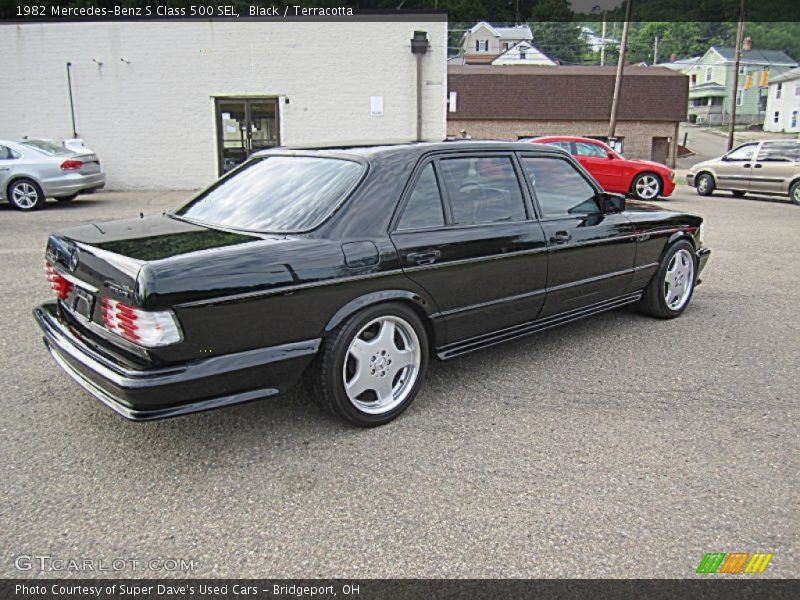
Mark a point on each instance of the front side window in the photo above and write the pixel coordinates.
(560, 188)
(276, 194)
(742, 152)
(424, 206)
(585, 149)
(562, 145)
(482, 190)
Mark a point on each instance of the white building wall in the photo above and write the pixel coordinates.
(151, 119)
(788, 103)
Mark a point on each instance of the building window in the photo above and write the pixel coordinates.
(739, 96)
(797, 89)
(523, 53)
(776, 116)
(694, 78)
(709, 71)
(778, 90)
(742, 70)
(481, 45)
(794, 119)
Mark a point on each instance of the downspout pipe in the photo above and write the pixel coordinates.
(419, 47)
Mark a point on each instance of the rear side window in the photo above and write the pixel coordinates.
(48, 148)
(483, 190)
(779, 151)
(276, 194)
(5, 153)
(562, 145)
(424, 206)
(560, 189)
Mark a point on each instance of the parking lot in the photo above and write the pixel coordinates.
(620, 446)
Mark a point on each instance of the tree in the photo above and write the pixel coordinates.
(555, 33)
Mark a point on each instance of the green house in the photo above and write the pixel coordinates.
(711, 84)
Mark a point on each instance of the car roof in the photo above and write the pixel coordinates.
(414, 149)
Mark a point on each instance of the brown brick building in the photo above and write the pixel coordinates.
(513, 102)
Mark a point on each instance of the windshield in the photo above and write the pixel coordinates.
(276, 194)
(49, 148)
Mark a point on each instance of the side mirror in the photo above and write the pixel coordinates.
(611, 203)
(612, 156)
(724, 158)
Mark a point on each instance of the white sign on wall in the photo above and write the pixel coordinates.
(376, 106)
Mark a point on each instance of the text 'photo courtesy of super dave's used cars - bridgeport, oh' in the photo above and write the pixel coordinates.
(352, 267)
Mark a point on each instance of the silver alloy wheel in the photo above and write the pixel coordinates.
(24, 195)
(381, 365)
(679, 279)
(647, 187)
(796, 195)
(702, 183)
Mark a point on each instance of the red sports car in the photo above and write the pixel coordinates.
(643, 179)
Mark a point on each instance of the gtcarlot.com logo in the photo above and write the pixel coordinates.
(732, 563)
(46, 562)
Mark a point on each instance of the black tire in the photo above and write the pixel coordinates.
(738, 193)
(653, 300)
(28, 187)
(705, 184)
(649, 176)
(67, 198)
(328, 372)
(794, 193)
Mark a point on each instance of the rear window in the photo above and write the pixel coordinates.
(276, 194)
(48, 148)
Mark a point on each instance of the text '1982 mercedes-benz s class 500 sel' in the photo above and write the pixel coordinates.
(352, 266)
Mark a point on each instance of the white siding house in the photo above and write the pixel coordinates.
(783, 103)
(523, 53)
(483, 42)
(170, 105)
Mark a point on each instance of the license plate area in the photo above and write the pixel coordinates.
(82, 303)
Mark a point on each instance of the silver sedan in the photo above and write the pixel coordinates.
(33, 170)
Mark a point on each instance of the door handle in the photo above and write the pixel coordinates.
(746, 165)
(5, 168)
(757, 166)
(560, 237)
(424, 258)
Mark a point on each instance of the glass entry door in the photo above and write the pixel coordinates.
(245, 126)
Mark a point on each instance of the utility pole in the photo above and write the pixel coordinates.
(603, 42)
(612, 125)
(655, 51)
(71, 101)
(739, 34)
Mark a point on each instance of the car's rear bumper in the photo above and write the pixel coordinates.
(155, 393)
(74, 183)
(702, 259)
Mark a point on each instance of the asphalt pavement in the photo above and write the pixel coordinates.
(620, 446)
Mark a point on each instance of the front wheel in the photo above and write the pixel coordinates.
(646, 186)
(371, 367)
(25, 195)
(705, 184)
(668, 293)
(794, 192)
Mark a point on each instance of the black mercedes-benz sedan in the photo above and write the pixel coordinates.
(352, 266)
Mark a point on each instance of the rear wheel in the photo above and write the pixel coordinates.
(371, 367)
(794, 192)
(26, 195)
(705, 184)
(668, 293)
(646, 186)
(738, 194)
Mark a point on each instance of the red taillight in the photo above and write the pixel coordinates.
(60, 286)
(146, 327)
(71, 165)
